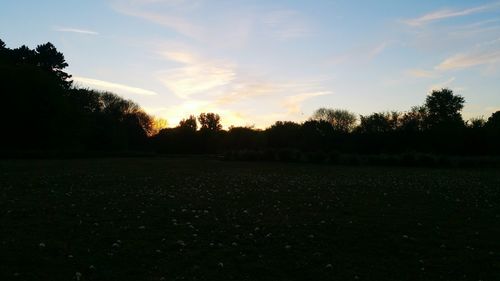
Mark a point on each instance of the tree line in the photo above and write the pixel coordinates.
(44, 111)
(435, 128)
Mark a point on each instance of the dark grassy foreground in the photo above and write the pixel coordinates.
(201, 219)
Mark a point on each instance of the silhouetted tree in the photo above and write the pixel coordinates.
(476, 123)
(23, 55)
(244, 138)
(189, 124)
(492, 127)
(42, 111)
(444, 124)
(443, 109)
(37, 94)
(341, 120)
(316, 135)
(493, 122)
(379, 123)
(210, 122)
(3, 52)
(283, 134)
(414, 120)
(48, 58)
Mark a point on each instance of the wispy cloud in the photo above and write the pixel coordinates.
(481, 23)
(196, 75)
(75, 30)
(182, 17)
(294, 103)
(461, 61)
(362, 54)
(221, 80)
(448, 13)
(443, 84)
(110, 86)
(377, 50)
(175, 23)
(246, 89)
(420, 73)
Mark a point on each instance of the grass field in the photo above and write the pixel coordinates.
(203, 219)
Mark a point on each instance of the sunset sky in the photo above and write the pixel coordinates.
(256, 62)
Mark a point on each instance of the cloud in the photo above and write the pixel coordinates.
(362, 54)
(377, 50)
(294, 103)
(442, 85)
(220, 30)
(207, 84)
(75, 30)
(461, 61)
(245, 89)
(492, 109)
(196, 75)
(444, 14)
(180, 56)
(481, 23)
(175, 23)
(110, 86)
(219, 79)
(154, 11)
(420, 73)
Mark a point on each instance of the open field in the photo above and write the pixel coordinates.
(203, 219)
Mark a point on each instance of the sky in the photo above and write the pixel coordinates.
(257, 62)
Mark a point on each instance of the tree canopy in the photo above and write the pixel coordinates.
(443, 109)
(189, 123)
(342, 120)
(44, 111)
(210, 122)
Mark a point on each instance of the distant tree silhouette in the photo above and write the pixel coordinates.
(476, 123)
(443, 109)
(341, 120)
(283, 134)
(244, 138)
(493, 122)
(492, 127)
(3, 52)
(209, 122)
(414, 120)
(444, 126)
(182, 139)
(23, 55)
(317, 135)
(379, 123)
(42, 111)
(48, 58)
(189, 124)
